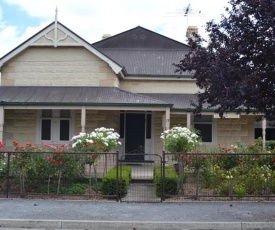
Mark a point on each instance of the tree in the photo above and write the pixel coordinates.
(235, 67)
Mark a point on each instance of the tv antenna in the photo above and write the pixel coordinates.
(186, 12)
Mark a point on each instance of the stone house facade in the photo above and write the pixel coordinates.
(56, 84)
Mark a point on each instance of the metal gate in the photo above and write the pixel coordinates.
(141, 186)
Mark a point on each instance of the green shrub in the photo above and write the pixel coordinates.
(171, 181)
(72, 189)
(109, 180)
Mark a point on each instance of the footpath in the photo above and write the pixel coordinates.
(105, 215)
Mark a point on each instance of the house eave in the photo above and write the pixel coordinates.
(81, 104)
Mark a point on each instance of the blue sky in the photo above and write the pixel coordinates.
(90, 19)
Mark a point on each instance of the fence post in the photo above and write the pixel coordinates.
(8, 177)
(163, 177)
(117, 168)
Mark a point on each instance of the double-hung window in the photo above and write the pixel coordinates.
(204, 125)
(55, 125)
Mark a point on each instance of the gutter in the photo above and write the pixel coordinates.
(84, 104)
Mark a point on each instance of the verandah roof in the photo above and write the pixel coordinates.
(58, 95)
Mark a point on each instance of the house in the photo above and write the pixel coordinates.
(56, 84)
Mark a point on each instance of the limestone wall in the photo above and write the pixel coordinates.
(159, 86)
(230, 131)
(20, 125)
(96, 119)
(61, 66)
(178, 120)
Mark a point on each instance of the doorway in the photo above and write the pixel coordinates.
(135, 136)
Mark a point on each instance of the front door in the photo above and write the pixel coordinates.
(135, 137)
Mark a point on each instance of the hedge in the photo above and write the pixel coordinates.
(109, 180)
(171, 181)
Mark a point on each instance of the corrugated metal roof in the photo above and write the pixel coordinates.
(140, 37)
(147, 61)
(39, 95)
(144, 52)
(179, 101)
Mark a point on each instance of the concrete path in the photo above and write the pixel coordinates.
(58, 214)
(141, 192)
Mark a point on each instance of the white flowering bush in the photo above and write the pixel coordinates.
(179, 140)
(100, 140)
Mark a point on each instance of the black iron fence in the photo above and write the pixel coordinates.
(155, 178)
(221, 176)
(58, 175)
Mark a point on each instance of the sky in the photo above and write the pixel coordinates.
(90, 19)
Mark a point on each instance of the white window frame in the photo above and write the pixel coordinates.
(55, 124)
(213, 126)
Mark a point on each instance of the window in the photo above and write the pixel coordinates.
(205, 126)
(269, 131)
(55, 125)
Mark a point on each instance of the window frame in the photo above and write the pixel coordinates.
(213, 126)
(55, 127)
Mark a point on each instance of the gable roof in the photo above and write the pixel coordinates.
(144, 52)
(58, 95)
(56, 41)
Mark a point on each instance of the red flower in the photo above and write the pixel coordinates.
(95, 142)
(101, 147)
(273, 160)
(94, 155)
(240, 160)
(1, 145)
(188, 162)
(60, 162)
(29, 144)
(204, 157)
(63, 146)
(61, 154)
(15, 143)
(183, 156)
(33, 147)
(52, 160)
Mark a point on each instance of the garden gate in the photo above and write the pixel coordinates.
(142, 185)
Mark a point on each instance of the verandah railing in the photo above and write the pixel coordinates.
(222, 176)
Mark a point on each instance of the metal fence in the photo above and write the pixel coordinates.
(200, 176)
(55, 175)
(221, 176)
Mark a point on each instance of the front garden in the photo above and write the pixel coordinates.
(88, 169)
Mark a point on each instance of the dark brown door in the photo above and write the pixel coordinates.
(135, 137)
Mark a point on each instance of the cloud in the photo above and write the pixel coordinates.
(90, 19)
